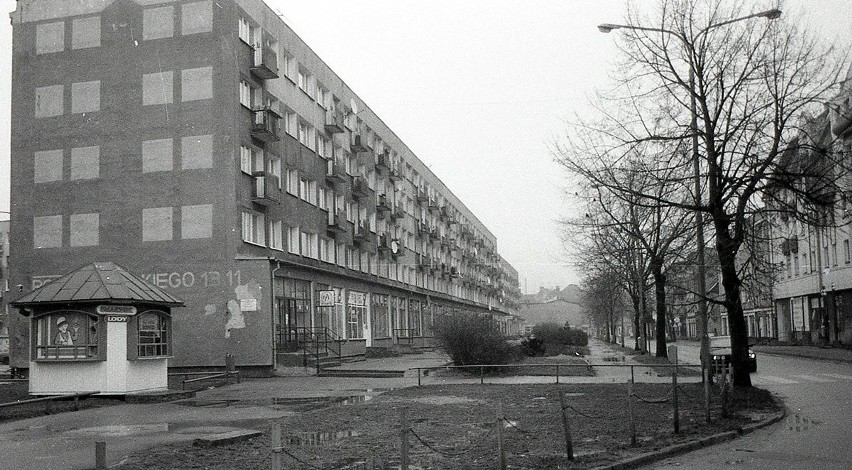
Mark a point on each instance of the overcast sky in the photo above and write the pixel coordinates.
(477, 89)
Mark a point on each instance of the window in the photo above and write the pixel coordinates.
(323, 204)
(158, 23)
(254, 226)
(84, 229)
(50, 37)
(85, 97)
(153, 334)
(49, 101)
(308, 246)
(308, 191)
(293, 182)
(86, 32)
(273, 167)
(380, 317)
(85, 163)
(303, 81)
(287, 64)
(245, 159)
(196, 17)
(303, 134)
(157, 224)
(291, 123)
(245, 31)
(276, 240)
(196, 84)
(326, 250)
(47, 231)
(293, 240)
(157, 155)
(196, 152)
(196, 221)
(68, 335)
(157, 88)
(47, 166)
(321, 95)
(251, 159)
(356, 316)
(245, 94)
(341, 254)
(846, 251)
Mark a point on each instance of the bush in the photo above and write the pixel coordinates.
(533, 347)
(470, 339)
(556, 339)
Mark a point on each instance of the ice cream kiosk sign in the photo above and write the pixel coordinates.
(100, 329)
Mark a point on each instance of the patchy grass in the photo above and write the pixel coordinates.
(456, 427)
(18, 391)
(570, 366)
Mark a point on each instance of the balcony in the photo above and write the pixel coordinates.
(422, 194)
(335, 173)
(395, 175)
(424, 262)
(397, 214)
(434, 234)
(384, 244)
(265, 127)
(454, 272)
(363, 237)
(336, 224)
(334, 121)
(360, 189)
(356, 143)
(383, 162)
(266, 190)
(382, 205)
(422, 229)
(265, 63)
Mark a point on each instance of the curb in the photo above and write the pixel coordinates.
(677, 449)
(805, 356)
(226, 438)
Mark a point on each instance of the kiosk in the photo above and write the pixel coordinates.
(101, 329)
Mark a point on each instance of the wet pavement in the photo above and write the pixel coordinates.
(67, 440)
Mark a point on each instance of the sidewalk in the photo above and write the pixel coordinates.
(810, 352)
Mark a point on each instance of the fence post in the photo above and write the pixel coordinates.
(675, 411)
(403, 438)
(630, 412)
(481, 376)
(557, 373)
(76, 402)
(418, 376)
(632, 378)
(100, 455)
(276, 446)
(705, 375)
(725, 390)
(500, 447)
(569, 449)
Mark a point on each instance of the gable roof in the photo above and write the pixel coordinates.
(98, 282)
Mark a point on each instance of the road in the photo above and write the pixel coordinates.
(818, 395)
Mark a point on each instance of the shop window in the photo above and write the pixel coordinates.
(85, 97)
(197, 221)
(85, 163)
(157, 155)
(47, 166)
(196, 84)
(196, 152)
(49, 101)
(153, 335)
(50, 37)
(196, 17)
(158, 23)
(47, 231)
(157, 88)
(380, 317)
(67, 335)
(86, 32)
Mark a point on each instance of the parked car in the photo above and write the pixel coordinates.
(720, 353)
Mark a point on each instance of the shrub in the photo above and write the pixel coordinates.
(557, 339)
(470, 339)
(532, 347)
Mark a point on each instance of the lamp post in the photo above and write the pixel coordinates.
(696, 163)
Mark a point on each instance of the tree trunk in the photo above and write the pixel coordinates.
(660, 293)
(727, 249)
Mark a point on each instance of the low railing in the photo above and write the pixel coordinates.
(49, 400)
(312, 341)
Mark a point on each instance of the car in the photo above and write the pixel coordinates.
(720, 354)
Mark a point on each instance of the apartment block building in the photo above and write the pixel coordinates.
(205, 147)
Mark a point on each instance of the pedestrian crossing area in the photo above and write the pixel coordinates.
(793, 379)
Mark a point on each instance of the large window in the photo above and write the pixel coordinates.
(196, 84)
(66, 334)
(50, 37)
(356, 315)
(197, 221)
(196, 152)
(158, 88)
(158, 23)
(379, 316)
(49, 101)
(85, 163)
(86, 32)
(157, 224)
(157, 155)
(153, 331)
(47, 166)
(196, 17)
(47, 231)
(85, 229)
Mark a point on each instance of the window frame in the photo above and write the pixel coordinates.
(133, 336)
(94, 349)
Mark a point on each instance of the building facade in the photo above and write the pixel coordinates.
(204, 146)
(4, 291)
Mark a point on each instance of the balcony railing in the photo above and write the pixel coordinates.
(265, 126)
(335, 173)
(382, 204)
(334, 121)
(266, 190)
(265, 63)
(360, 189)
(383, 162)
(363, 237)
(336, 223)
(394, 174)
(356, 143)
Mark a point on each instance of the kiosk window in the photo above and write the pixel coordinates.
(66, 335)
(153, 330)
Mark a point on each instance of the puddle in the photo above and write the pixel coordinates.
(282, 403)
(319, 438)
(120, 430)
(574, 394)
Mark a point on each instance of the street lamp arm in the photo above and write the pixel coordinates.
(608, 27)
(768, 14)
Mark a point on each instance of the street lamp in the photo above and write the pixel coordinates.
(696, 162)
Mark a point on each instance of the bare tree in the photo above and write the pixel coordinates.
(749, 81)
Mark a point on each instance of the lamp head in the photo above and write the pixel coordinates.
(773, 14)
(607, 27)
